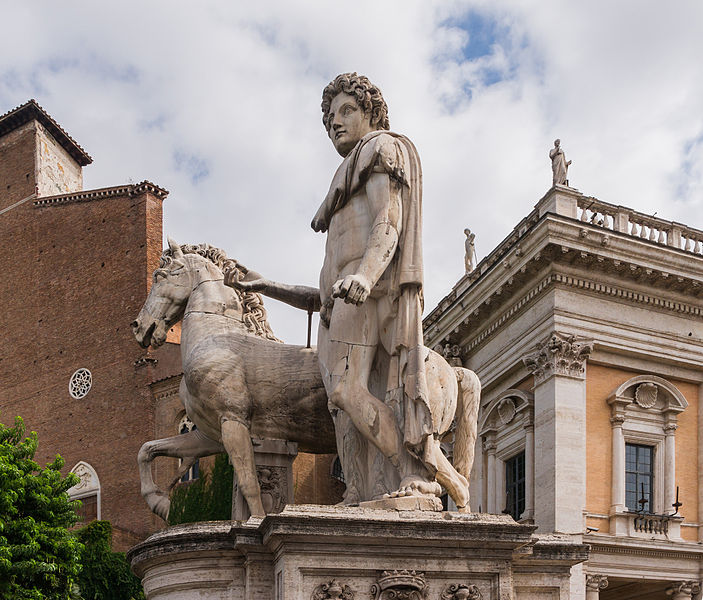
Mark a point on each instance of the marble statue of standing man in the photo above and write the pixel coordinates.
(370, 343)
(469, 251)
(560, 165)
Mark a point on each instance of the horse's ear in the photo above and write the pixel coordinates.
(175, 247)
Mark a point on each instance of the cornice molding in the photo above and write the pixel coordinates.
(554, 279)
(100, 194)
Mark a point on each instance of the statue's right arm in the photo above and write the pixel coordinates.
(299, 296)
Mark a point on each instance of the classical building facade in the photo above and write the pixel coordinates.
(585, 326)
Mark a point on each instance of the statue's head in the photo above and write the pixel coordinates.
(467, 232)
(352, 106)
(557, 142)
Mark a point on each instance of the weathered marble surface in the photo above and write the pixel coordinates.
(238, 380)
(294, 554)
(392, 399)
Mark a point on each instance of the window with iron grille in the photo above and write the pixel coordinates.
(639, 477)
(515, 485)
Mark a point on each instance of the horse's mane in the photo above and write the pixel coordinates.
(253, 311)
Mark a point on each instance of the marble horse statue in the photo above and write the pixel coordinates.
(239, 381)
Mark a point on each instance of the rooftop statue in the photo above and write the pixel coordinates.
(560, 166)
(390, 397)
(469, 251)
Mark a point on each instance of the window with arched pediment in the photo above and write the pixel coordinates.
(185, 425)
(507, 432)
(87, 490)
(644, 413)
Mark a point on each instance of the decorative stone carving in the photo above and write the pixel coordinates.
(80, 383)
(596, 582)
(451, 353)
(400, 585)
(561, 355)
(274, 488)
(681, 590)
(506, 411)
(332, 590)
(646, 395)
(88, 480)
(459, 591)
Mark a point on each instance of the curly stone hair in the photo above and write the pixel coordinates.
(367, 96)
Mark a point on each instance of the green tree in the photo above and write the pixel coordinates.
(106, 574)
(208, 498)
(39, 557)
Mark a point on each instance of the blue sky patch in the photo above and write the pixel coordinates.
(195, 167)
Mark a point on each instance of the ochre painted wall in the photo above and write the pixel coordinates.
(601, 381)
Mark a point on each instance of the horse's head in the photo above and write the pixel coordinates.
(167, 299)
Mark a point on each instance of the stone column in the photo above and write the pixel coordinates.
(617, 504)
(490, 450)
(669, 462)
(683, 590)
(529, 426)
(594, 584)
(558, 366)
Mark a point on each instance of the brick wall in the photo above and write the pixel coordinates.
(75, 274)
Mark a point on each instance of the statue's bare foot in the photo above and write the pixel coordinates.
(414, 485)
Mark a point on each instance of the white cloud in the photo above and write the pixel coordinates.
(219, 103)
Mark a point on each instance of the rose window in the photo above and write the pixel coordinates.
(80, 383)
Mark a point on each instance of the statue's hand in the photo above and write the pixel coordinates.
(355, 289)
(256, 285)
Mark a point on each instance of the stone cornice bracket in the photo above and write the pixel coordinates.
(561, 355)
(145, 360)
(332, 590)
(596, 582)
(397, 585)
(683, 589)
(452, 353)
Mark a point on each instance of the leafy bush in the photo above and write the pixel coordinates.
(39, 557)
(208, 498)
(106, 574)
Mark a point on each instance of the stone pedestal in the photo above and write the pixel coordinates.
(319, 552)
(274, 468)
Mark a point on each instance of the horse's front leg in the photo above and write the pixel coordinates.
(236, 438)
(191, 445)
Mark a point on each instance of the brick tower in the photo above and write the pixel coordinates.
(76, 268)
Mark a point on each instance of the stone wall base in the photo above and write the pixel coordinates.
(320, 552)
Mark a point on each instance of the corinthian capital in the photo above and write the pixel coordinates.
(596, 582)
(560, 355)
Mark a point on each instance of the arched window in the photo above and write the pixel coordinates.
(87, 490)
(507, 431)
(186, 426)
(644, 413)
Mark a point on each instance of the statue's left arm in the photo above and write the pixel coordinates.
(385, 203)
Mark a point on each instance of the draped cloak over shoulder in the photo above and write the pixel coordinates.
(395, 154)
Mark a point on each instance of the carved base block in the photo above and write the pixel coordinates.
(320, 552)
(274, 468)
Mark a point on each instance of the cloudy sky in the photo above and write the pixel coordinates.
(219, 102)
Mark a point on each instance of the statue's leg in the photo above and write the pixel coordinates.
(346, 352)
(456, 484)
(236, 438)
(187, 446)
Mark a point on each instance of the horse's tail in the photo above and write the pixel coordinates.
(466, 420)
